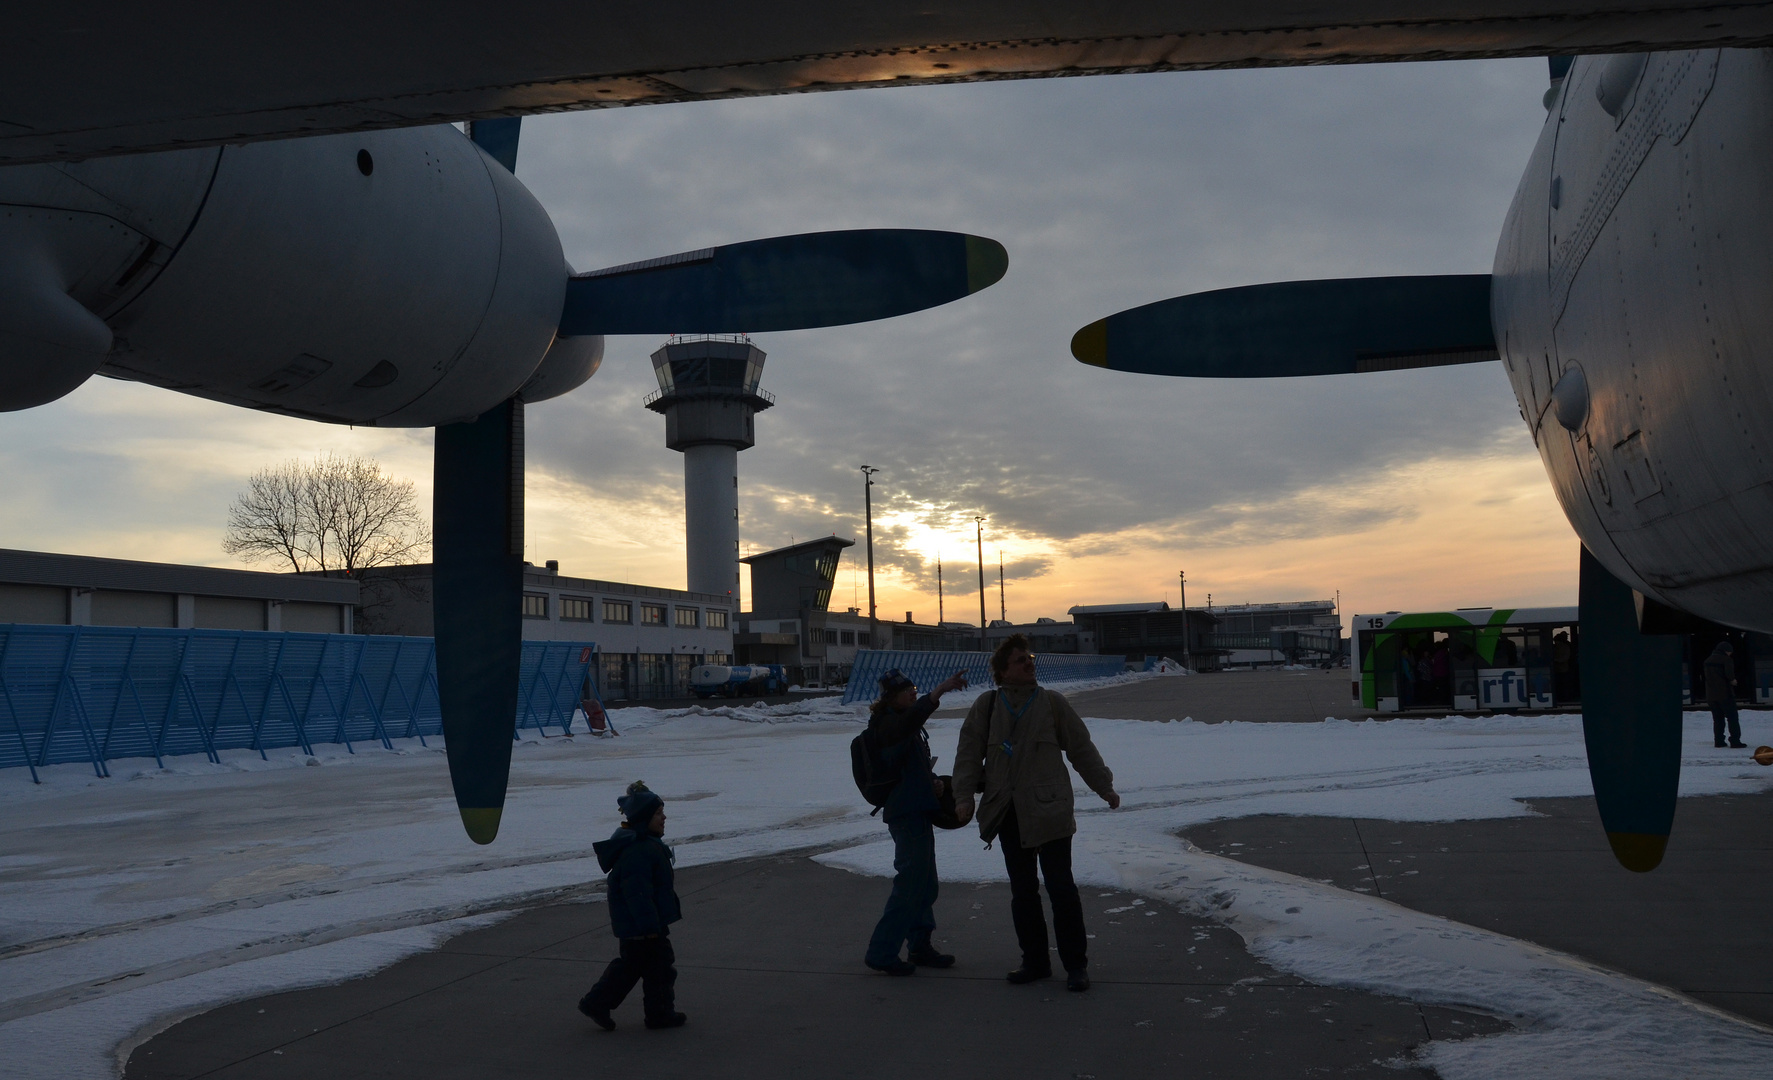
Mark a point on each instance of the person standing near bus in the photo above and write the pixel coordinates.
(1720, 695)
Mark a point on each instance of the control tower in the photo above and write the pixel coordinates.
(708, 393)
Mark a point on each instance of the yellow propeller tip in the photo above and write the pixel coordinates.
(1091, 344)
(482, 822)
(987, 262)
(1638, 852)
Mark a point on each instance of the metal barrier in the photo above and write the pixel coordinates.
(926, 669)
(93, 693)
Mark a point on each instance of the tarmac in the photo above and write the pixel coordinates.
(769, 955)
(1267, 696)
(1698, 923)
(771, 976)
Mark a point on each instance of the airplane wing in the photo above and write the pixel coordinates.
(90, 79)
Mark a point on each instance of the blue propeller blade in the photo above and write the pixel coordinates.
(477, 587)
(1300, 328)
(498, 138)
(783, 283)
(477, 605)
(1631, 719)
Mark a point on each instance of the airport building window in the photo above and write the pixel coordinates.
(535, 605)
(652, 615)
(848, 637)
(717, 621)
(865, 639)
(618, 611)
(575, 609)
(830, 637)
(686, 616)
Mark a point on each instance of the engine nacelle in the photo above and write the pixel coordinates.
(77, 243)
(400, 278)
(570, 362)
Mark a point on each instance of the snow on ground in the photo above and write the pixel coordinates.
(128, 903)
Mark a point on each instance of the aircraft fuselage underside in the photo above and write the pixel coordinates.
(1631, 307)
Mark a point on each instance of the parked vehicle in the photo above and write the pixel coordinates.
(719, 680)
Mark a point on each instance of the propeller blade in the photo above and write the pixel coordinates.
(498, 138)
(1631, 719)
(783, 283)
(477, 598)
(1294, 328)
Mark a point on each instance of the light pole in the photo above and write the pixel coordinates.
(1187, 661)
(868, 472)
(979, 541)
(1003, 612)
(939, 615)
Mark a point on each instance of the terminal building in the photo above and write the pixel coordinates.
(791, 622)
(1044, 635)
(1150, 629)
(1255, 635)
(648, 638)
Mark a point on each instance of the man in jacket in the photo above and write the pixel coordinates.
(642, 906)
(1720, 695)
(1010, 748)
(896, 724)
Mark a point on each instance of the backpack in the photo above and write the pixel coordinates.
(874, 778)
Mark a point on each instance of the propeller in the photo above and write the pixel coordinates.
(1631, 658)
(1293, 328)
(783, 283)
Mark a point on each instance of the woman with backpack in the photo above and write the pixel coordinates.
(902, 748)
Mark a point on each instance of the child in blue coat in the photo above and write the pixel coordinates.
(642, 905)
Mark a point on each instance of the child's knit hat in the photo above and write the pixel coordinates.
(639, 805)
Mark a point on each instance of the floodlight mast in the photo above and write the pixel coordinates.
(1187, 661)
(979, 547)
(868, 472)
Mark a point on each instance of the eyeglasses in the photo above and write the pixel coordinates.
(1025, 659)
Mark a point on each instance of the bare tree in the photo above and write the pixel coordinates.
(336, 512)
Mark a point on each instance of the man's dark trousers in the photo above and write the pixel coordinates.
(1725, 712)
(910, 909)
(1054, 860)
(641, 958)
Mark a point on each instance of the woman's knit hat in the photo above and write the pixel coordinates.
(639, 805)
(893, 682)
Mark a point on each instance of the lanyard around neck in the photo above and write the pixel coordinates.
(1015, 713)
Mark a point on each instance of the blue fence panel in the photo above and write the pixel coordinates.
(926, 669)
(96, 693)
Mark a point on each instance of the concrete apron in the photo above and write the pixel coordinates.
(769, 959)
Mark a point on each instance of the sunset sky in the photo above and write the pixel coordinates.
(1407, 490)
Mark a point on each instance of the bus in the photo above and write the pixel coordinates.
(1468, 659)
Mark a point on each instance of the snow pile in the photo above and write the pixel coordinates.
(127, 903)
(830, 707)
